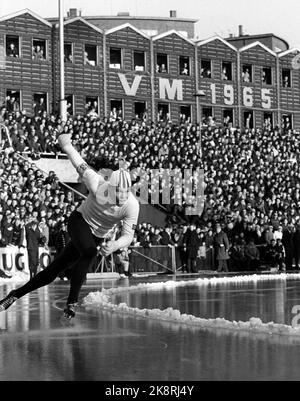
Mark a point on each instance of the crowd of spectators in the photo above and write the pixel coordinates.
(28, 199)
(252, 185)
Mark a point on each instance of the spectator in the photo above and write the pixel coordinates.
(237, 257)
(19, 234)
(122, 262)
(191, 247)
(7, 230)
(288, 243)
(221, 249)
(297, 246)
(12, 51)
(278, 234)
(252, 256)
(280, 255)
(33, 237)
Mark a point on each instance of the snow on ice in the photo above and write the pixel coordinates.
(254, 325)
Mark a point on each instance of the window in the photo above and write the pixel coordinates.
(163, 112)
(162, 63)
(226, 71)
(115, 58)
(39, 49)
(116, 110)
(286, 78)
(228, 117)
(68, 53)
(90, 55)
(140, 110)
(268, 121)
(139, 61)
(185, 113)
(39, 103)
(13, 101)
(12, 46)
(248, 119)
(184, 65)
(92, 105)
(266, 77)
(247, 73)
(287, 121)
(207, 116)
(205, 71)
(70, 105)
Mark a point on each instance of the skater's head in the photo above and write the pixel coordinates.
(119, 186)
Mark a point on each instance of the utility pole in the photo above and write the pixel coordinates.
(62, 100)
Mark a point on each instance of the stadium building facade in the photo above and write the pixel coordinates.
(245, 81)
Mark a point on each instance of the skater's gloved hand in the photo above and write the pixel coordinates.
(108, 248)
(64, 140)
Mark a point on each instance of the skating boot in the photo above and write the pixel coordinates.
(7, 302)
(70, 311)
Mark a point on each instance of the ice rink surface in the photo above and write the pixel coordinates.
(100, 345)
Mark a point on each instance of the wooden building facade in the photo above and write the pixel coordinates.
(123, 72)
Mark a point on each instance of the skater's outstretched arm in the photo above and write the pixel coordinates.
(90, 177)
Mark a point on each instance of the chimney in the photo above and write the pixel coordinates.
(241, 30)
(72, 13)
(173, 14)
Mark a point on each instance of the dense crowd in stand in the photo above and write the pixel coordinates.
(252, 185)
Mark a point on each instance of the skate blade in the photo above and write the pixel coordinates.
(66, 321)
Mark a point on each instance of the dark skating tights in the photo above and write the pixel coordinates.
(80, 253)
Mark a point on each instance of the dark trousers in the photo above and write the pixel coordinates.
(289, 259)
(192, 265)
(222, 266)
(33, 260)
(183, 259)
(80, 253)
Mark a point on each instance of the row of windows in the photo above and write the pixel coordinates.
(40, 105)
(248, 116)
(266, 75)
(13, 103)
(39, 48)
(39, 52)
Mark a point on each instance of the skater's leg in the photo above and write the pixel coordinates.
(79, 272)
(86, 245)
(68, 256)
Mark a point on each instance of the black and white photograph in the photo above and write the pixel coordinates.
(149, 194)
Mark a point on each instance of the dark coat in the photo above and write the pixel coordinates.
(288, 241)
(7, 232)
(222, 246)
(166, 239)
(297, 242)
(192, 244)
(32, 237)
